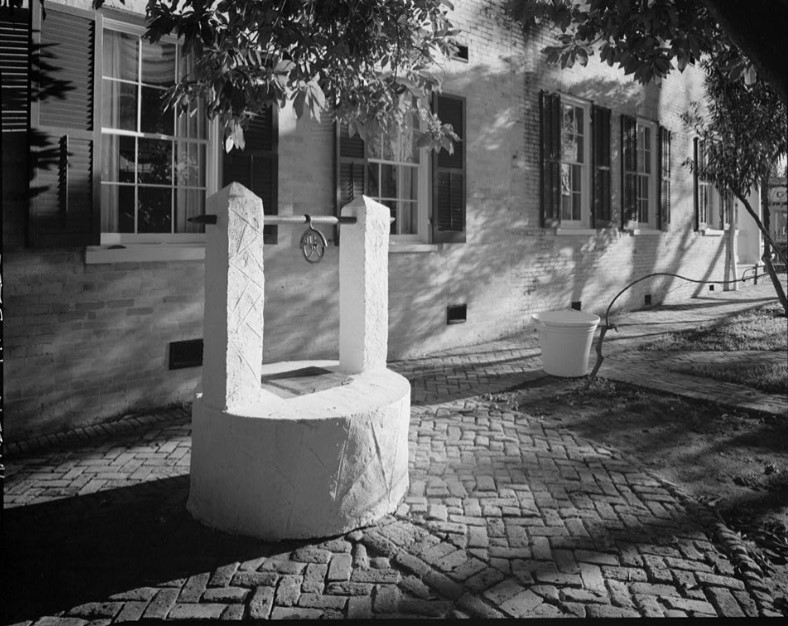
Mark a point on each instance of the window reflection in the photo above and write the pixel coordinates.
(152, 166)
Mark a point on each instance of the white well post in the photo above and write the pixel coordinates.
(310, 465)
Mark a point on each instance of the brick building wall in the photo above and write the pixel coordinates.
(87, 342)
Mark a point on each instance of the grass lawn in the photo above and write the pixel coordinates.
(765, 328)
(762, 329)
(767, 377)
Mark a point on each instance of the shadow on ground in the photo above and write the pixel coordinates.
(84, 549)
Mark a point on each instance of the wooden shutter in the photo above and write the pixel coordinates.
(629, 155)
(14, 61)
(448, 175)
(663, 198)
(63, 209)
(550, 149)
(696, 155)
(601, 216)
(256, 167)
(350, 169)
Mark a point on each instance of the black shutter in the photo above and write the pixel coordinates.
(663, 200)
(14, 61)
(696, 153)
(448, 175)
(601, 216)
(256, 167)
(350, 168)
(550, 150)
(63, 209)
(629, 155)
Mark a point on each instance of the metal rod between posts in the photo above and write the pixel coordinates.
(302, 219)
(316, 219)
(208, 218)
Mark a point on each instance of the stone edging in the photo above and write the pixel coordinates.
(722, 536)
(730, 544)
(85, 434)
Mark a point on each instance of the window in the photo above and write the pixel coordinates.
(575, 158)
(426, 195)
(397, 177)
(639, 173)
(575, 163)
(110, 165)
(645, 174)
(713, 209)
(153, 162)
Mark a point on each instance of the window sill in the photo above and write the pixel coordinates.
(576, 231)
(398, 248)
(636, 232)
(711, 232)
(144, 252)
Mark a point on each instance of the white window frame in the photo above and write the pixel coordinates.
(211, 160)
(585, 196)
(651, 223)
(715, 215)
(422, 195)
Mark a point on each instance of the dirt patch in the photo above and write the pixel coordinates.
(734, 461)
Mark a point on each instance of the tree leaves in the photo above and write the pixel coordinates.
(234, 135)
(642, 38)
(358, 60)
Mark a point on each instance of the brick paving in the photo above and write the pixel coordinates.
(504, 518)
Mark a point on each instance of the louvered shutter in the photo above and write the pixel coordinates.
(448, 175)
(256, 167)
(550, 148)
(602, 174)
(63, 211)
(351, 166)
(350, 169)
(664, 183)
(14, 61)
(697, 149)
(629, 155)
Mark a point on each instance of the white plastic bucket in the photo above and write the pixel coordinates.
(565, 338)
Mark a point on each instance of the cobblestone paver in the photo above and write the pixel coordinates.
(504, 518)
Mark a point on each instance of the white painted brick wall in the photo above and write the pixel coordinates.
(87, 342)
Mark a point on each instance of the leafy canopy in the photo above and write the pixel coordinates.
(745, 130)
(367, 63)
(643, 37)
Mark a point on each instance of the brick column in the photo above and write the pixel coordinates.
(233, 320)
(364, 287)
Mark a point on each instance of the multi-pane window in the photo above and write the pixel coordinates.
(426, 197)
(639, 163)
(568, 161)
(153, 164)
(394, 165)
(644, 149)
(714, 209)
(574, 161)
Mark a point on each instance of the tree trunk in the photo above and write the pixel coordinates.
(730, 252)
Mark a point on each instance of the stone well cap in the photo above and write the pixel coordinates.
(566, 318)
